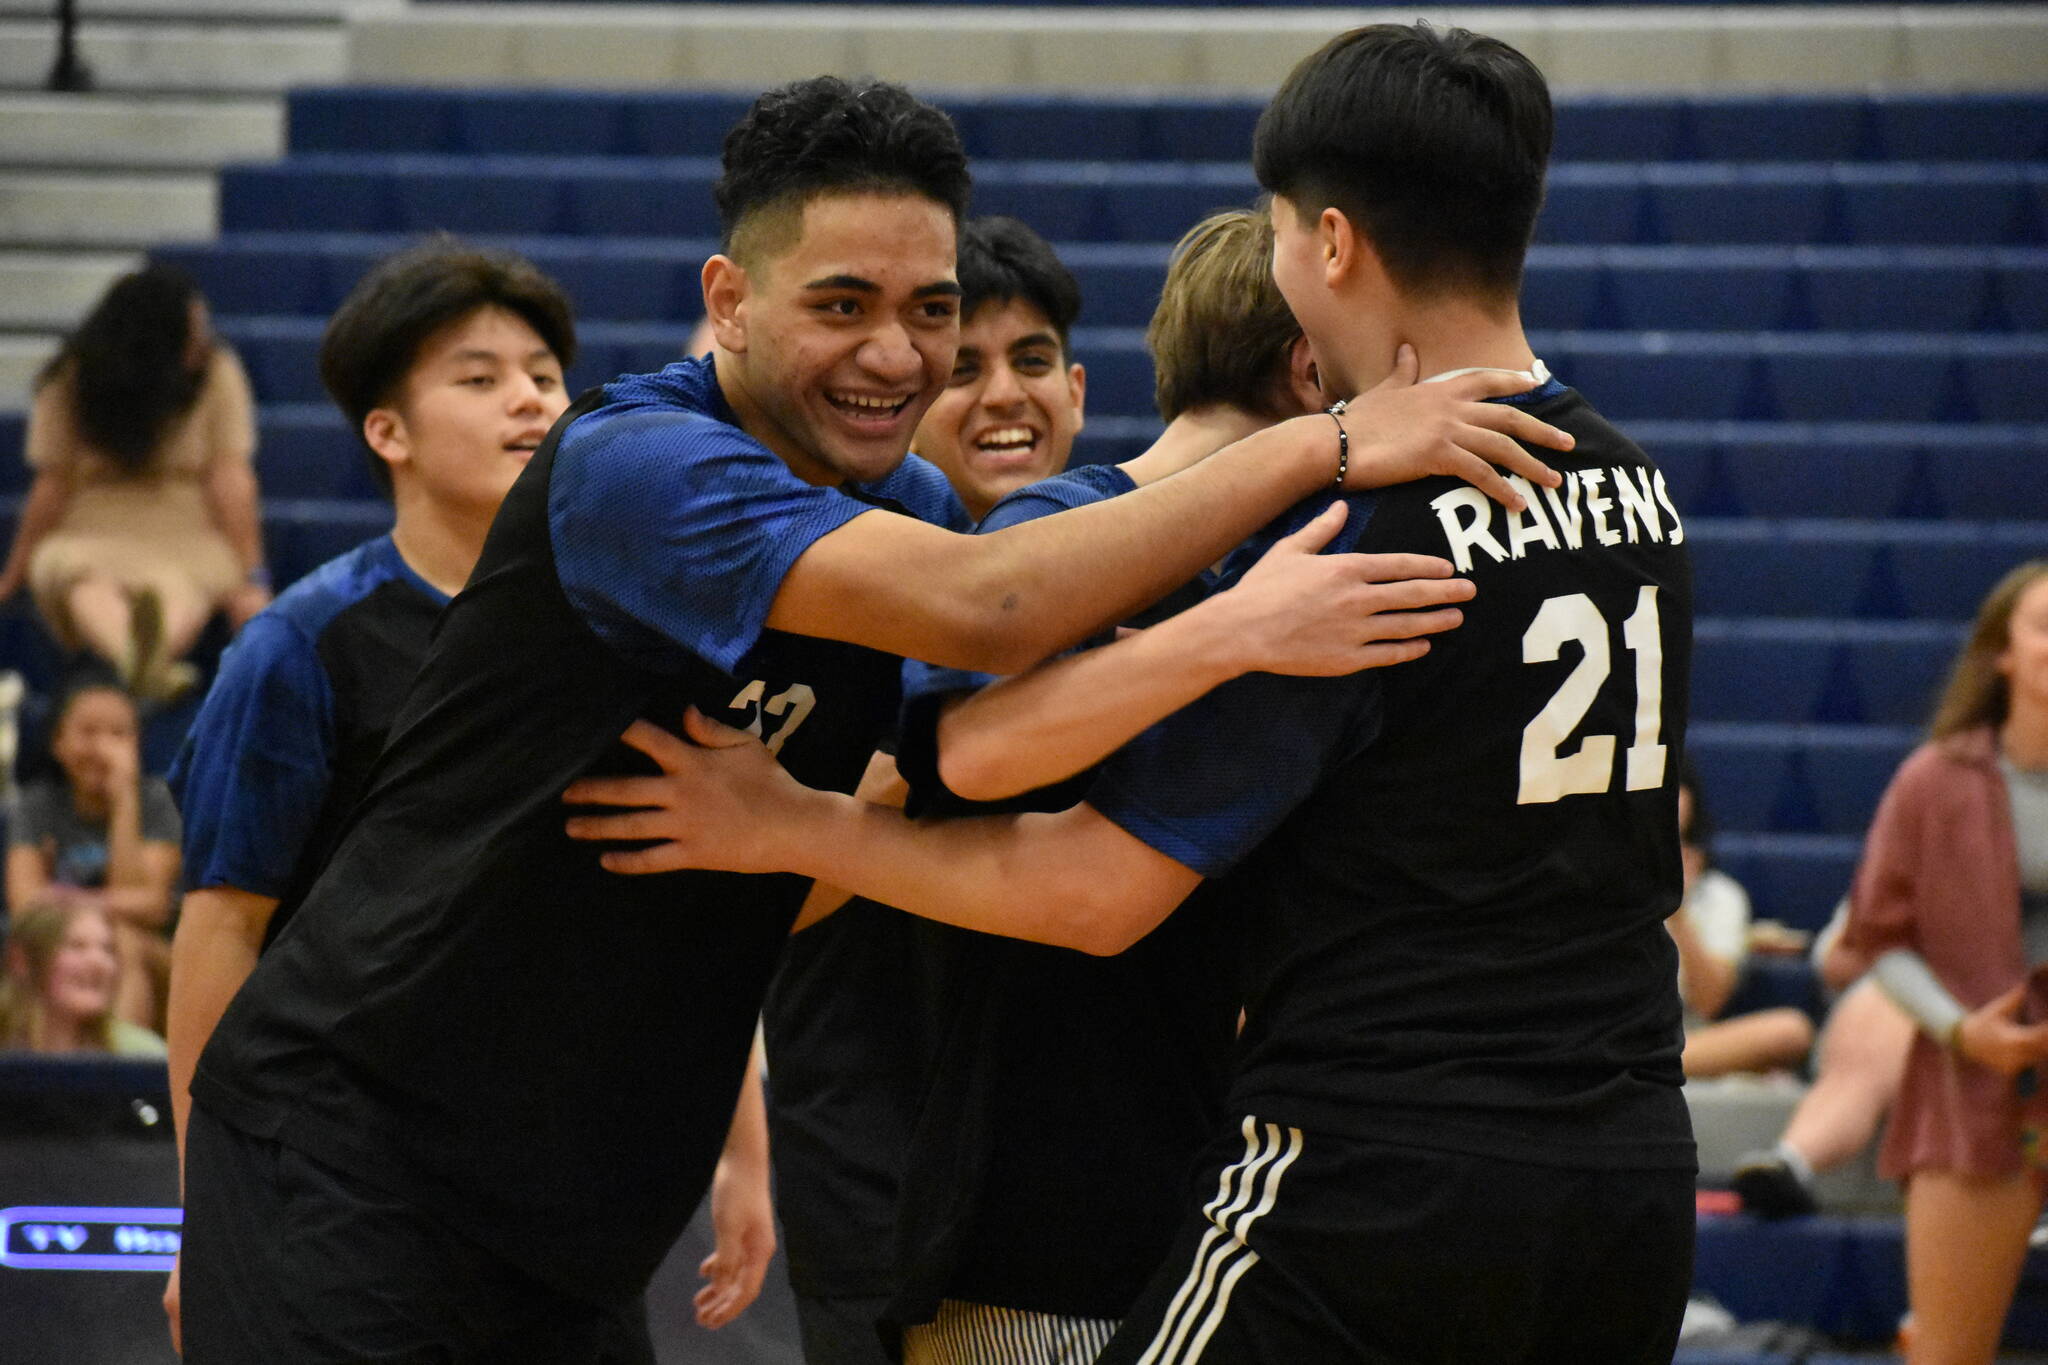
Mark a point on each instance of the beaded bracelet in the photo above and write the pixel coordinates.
(1336, 411)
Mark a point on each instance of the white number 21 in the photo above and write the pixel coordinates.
(1547, 775)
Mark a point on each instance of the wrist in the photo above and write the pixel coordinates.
(1208, 641)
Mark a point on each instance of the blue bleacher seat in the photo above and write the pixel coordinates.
(1592, 205)
(299, 535)
(1711, 289)
(1621, 128)
(1850, 377)
(577, 122)
(2000, 126)
(1756, 568)
(1719, 202)
(338, 195)
(480, 198)
(1936, 204)
(2023, 288)
(1743, 770)
(1772, 473)
(692, 123)
(1804, 127)
(1900, 290)
(1944, 572)
(1744, 673)
(1796, 879)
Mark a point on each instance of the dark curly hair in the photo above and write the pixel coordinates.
(374, 338)
(1001, 259)
(825, 134)
(127, 364)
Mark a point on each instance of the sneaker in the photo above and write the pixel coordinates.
(1770, 1188)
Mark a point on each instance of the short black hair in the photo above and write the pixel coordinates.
(826, 135)
(1001, 259)
(1433, 141)
(374, 338)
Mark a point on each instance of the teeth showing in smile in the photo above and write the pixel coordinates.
(867, 402)
(1006, 439)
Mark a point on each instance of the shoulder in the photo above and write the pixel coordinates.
(132, 1040)
(309, 606)
(1062, 492)
(919, 486)
(1947, 765)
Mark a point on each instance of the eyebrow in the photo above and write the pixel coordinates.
(1025, 343)
(941, 288)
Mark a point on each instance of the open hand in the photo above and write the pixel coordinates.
(743, 1221)
(1401, 430)
(714, 806)
(1315, 615)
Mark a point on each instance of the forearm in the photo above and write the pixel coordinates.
(1066, 715)
(231, 492)
(219, 936)
(1050, 583)
(1905, 976)
(746, 1140)
(1018, 876)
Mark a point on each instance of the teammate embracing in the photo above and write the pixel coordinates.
(1458, 1132)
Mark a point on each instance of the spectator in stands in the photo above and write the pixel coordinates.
(141, 522)
(57, 994)
(1857, 1071)
(448, 363)
(1949, 909)
(1711, 929)
(101, 832)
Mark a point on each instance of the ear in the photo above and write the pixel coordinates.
(726, 289)
(1077, 384)
(385, 434)
(1346, 252)
(1304, 382)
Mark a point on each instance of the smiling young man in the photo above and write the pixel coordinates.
(1457, 1131)
(464, 1106)
(1013, 406)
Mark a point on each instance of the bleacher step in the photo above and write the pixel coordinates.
(180, 57)
(69, 209)
(40, 129)
(54, 289)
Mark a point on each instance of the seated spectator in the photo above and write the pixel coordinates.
(141, 521)
(100, 833)
(1857, 1071)
(57, 993)
(1711, 929)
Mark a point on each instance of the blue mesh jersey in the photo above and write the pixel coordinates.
(1455, 872)
(295, 718)
(469, 1012)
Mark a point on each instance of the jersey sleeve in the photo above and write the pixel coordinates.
(1207, 784)
(927, 686)
(676, 530)
(255, 768)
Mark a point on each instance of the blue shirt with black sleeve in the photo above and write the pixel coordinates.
(298, 713)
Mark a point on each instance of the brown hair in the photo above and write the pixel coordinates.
(33, 940)
(1977, 693)
(1221, 332)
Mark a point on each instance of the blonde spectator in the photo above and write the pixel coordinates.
(57, 994)
(141, 521)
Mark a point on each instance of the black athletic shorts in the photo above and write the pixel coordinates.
(284, 1259)
(1329, 1250)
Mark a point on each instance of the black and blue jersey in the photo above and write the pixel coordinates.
(468, 1011)
(294, 721)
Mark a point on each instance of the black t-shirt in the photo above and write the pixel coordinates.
(1456, 871)
(469, 1012)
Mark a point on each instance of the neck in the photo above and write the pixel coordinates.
(90, 803)
(1192, 437)
(1456, 333)
(2024, 737)
(438, 542)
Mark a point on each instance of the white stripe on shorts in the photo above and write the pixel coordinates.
(979, 1334)
(1244, 1194)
